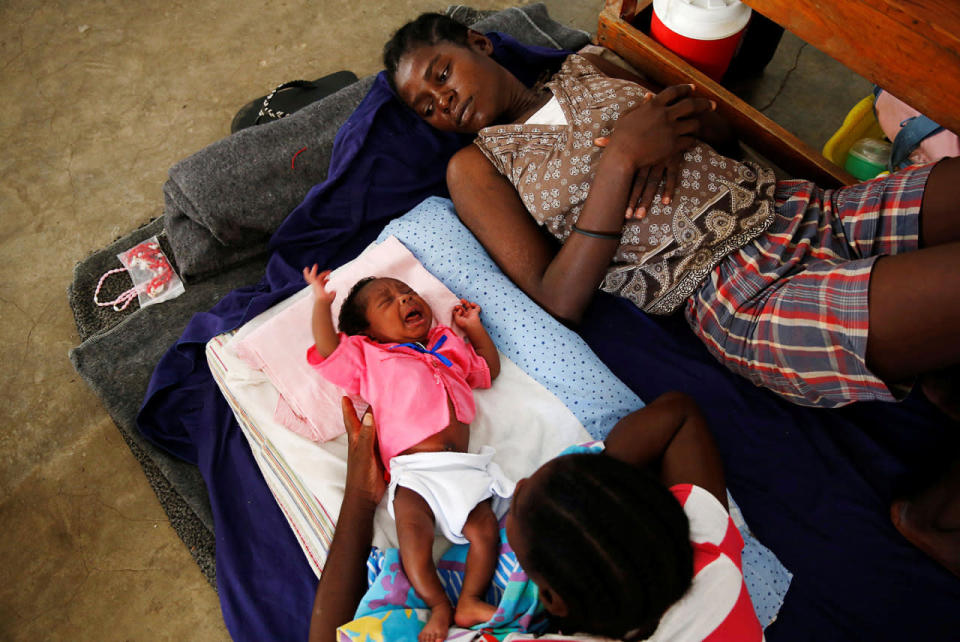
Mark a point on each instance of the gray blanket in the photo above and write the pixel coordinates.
(222, 204)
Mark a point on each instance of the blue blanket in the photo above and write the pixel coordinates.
(813, 484)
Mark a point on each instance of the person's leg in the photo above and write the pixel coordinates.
(914, 313)
(942, 388)
(415, 530)
(915, 332)
(940, 223)
(939, 212)
(931, 520)
(483, 532)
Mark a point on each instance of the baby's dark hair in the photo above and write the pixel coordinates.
(353, 313)
(611, 540)
(428, 29)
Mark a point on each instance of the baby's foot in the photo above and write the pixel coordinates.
(438, 624)
(472, 610)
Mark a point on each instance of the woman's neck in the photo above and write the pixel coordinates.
(526, 103)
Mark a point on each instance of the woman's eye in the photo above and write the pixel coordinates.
(443, 74)
(427, 110)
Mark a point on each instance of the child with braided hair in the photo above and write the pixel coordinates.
(635, 542)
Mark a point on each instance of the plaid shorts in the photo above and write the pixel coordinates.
(789, 311)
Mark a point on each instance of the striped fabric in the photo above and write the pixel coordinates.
(789, 310)
(310, 521)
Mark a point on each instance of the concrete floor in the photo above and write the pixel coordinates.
(98, 100)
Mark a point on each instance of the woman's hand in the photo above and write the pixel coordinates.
(318, 281)
(651, 138)
(647, 182)
(344, 578)
(365, 478)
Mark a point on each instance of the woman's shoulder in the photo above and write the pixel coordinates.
(471, 161)
(599, 63)
(709, 520)
(717, 606)
(577, 69)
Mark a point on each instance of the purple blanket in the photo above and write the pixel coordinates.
(385, 161)
(813, 484)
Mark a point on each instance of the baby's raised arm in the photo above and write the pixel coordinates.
(324, 336)
(467, 317)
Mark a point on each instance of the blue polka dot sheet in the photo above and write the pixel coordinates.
(554, 356)
(545, 349)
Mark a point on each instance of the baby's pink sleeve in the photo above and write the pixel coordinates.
(476, 369)
(345, 365)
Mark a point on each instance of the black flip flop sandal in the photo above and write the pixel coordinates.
(288, 98)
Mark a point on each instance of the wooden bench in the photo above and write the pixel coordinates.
(915, 56)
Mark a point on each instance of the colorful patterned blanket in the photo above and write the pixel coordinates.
(391, 609)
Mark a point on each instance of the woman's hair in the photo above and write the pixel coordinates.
(428, 29)
(611, 540)
(353, 313)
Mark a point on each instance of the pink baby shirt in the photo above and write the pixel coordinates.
(407, 389)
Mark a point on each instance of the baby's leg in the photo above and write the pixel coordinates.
(483, 533)
(415, 529)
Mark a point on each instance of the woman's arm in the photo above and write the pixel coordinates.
(670, 435)
(344, 578)
(564, 281)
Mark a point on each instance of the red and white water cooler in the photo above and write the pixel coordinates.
(705, 33)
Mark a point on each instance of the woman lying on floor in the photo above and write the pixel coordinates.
(799, 289)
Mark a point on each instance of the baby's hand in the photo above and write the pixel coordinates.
(318, 280)
(467, 315)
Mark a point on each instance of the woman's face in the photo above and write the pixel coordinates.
(454, 88)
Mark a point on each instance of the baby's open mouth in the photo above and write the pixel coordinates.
(413, 316)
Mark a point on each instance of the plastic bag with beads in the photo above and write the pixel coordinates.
(154, 279)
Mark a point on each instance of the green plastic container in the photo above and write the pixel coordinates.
(867, 158)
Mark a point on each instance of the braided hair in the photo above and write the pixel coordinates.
(353, 313)
(611, 540)
(428, 29)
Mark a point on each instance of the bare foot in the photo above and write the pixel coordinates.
(472, 610)
(923, 531)
(435, 630)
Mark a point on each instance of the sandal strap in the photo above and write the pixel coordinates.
(277, 114)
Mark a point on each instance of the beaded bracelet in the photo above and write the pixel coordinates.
(597, 235)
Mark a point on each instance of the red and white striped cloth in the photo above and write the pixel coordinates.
(717, 606)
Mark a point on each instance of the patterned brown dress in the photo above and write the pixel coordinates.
(718, 206)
